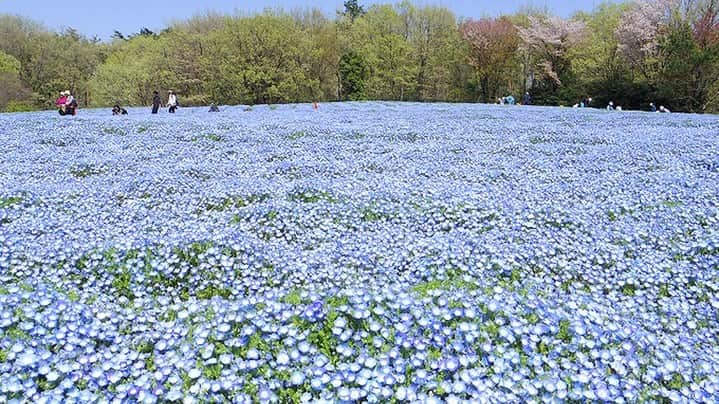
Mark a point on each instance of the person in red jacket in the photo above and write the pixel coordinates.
(60, 103)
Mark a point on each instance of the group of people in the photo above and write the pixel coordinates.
(661, 109)
(172, 102)
(652, 107)
(584, 103)
(510, 100)
(66, 103)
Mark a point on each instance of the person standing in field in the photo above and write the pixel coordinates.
(156, 102)
(171, 102)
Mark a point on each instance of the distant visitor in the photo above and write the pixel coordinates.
(156, 102)
(67, 105)
(118, 110)
(171, 102)
(214, 108)
(526, 99)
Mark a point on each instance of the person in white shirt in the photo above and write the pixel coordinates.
(172, 102)
(70, 103)
(70, 99)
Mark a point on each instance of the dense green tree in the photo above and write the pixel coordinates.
(50, 62)
(11, 87)
(135, 69)
(601, 71)
(353, 76)
(8, 64)
(353, 9)
(263, 59)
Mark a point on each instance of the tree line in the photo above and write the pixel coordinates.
(661, 51)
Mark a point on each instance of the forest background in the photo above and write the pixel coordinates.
(632, 53)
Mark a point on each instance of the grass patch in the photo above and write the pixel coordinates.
(212, 291)
(425, 288)
(14, 334)
(672, 204)
(214, 137)
(10, 201)
(564, 334)
(234, 202)
(629, 289)
(122, 284)
(538, 140)
(322, 338)
(86, 170)
(664, 290)
(213, 372)
(311, 196)
(293, 298)
(296, 135)
(371, 214)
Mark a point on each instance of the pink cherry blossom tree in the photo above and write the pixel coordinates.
(639, 32)
(548, 40)
(493, 45)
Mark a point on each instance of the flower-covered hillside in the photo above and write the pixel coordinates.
(365, 252)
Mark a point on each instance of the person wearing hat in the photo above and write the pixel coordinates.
(70, 103)
(171, 102)
(60, 103)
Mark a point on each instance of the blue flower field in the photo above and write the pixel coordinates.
(365, 252)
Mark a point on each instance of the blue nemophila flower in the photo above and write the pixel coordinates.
(351, 259)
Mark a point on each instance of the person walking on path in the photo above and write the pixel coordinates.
(171, 102)
(156, 102)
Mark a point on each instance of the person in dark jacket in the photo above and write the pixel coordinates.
(118, 110)
(526, 99)
(214, 108)
(156, 102)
